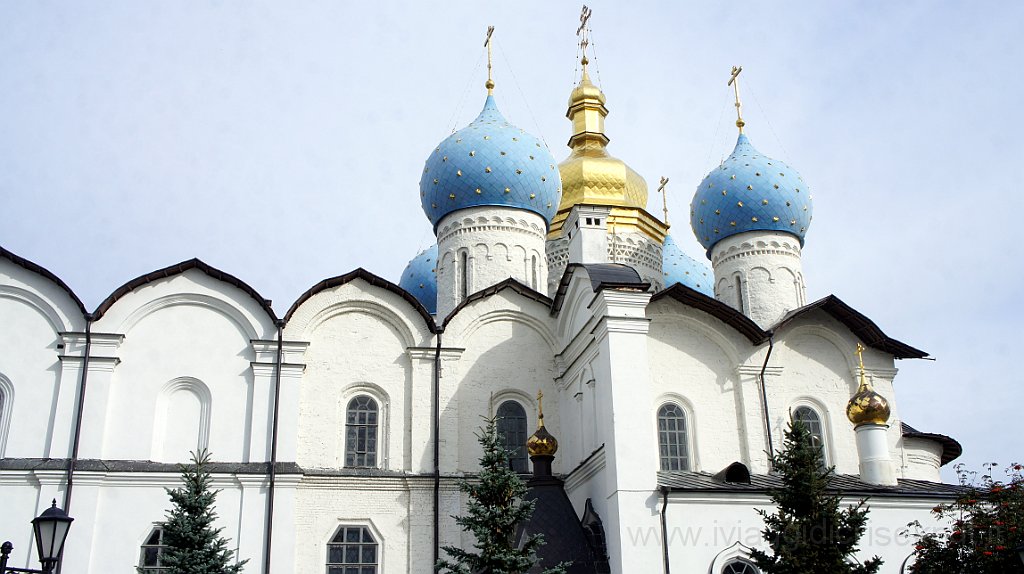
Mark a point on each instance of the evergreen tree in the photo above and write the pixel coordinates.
(495, 509)
(194, 546)
(809, 534)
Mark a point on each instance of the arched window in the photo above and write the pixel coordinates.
(512, 429)
(361, 432)
(672, 439)
(812, 421)
(352, 551)
(150, 561)
(463, 276)
(533, 275)
(740, 567)
(739, 295)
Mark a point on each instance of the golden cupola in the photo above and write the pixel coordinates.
(867, 406)
(541, 442)
(590, 175)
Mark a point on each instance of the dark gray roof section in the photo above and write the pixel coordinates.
(40, 270)
(370, 278)
(847, 484)
(721, 311)
(509, 283)
(951, 449)
(177, 270)
(865, 329)
(602, 276)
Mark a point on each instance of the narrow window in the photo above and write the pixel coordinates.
(672, 440)
(463, 276)
(512, 429)
(533, 275)
(352, 551)
(739, 295)
(361, 432)
(740, 567)
(812, 421)
(150, 559)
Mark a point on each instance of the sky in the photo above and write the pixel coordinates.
(282, 142)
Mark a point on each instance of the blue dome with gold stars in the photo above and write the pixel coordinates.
(750, 192)
(420, 278)
(490, 162)
(678, 267)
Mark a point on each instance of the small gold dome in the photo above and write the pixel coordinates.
(867, 406)
(590, 175)
(541, 442)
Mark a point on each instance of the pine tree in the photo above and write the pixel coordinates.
(194, 546)
(808, 533)
(495, 509)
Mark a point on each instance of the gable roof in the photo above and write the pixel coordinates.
(509, 283)
(370, 278)
(177, 270)
(721, 311)
(602, 276)
(45, 273)
(865, 329)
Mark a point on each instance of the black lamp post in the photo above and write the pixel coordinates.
(50, 529)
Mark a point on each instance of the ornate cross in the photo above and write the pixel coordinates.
(540, 405)
(734, 81)
(487, 43)
(860, 357)
(664, 197)
(582, 31)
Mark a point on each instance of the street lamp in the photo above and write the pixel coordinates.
(50, 529)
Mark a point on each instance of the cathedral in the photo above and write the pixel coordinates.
(338, 430)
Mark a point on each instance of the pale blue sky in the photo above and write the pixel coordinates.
(282, 142)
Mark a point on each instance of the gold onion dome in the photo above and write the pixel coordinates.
(590, 175)
(541, 442)
(867, 406)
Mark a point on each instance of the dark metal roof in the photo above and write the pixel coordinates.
(40, 270)
(565, 539)
(177, 270)
(846, 484)
(602, 276)
(951, 449)
(865, 329)
(509, 283)
(370, 278)
(721, 311)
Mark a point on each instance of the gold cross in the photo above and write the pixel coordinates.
(487, 43)
(582, 32)
(734, 81)
(860, 356)
(540, 405)
(664, 197)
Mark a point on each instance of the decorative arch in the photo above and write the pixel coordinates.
(512, 316)
(685, 408)
(382, 312)
(708, 331)
(6, 410)
(845, 345)
(194, 299)
(163, 418)
(43, 307)
(737, 551)
(825, 418)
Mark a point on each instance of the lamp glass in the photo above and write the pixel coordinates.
(51, 529)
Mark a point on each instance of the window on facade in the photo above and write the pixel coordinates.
(740, 567)
(352, 551)
(812, 421)
(463, 276)
(152, 551)
(361, 432)
(512, 429)
(739, 295)
(533, 274)
(672, 440)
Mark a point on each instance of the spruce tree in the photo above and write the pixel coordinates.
(194, 546)
(809, 533)
(494, 512)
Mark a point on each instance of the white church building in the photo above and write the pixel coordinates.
(339, 428)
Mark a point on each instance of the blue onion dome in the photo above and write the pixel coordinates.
(490, 162)
(750, 192)
(678, 267)
(420, 278)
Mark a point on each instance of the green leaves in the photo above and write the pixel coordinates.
(809, 532)
(194, 546)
